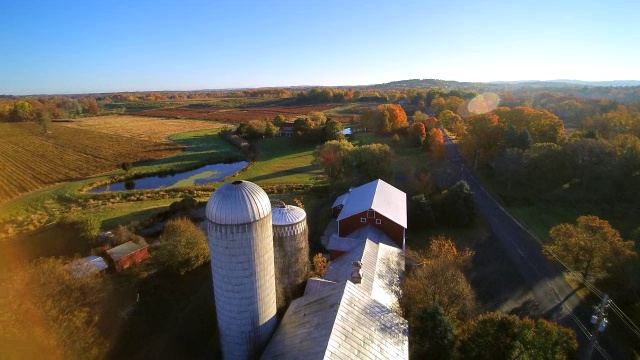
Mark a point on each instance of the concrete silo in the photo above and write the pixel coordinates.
(291, 247)
(241, 244)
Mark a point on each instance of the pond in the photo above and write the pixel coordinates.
(203, 175)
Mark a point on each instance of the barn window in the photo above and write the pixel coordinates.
(371, 213)
(378, 221)
(363, 220)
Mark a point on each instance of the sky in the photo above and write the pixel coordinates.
(90, 46)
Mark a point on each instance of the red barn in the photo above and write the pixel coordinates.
(127, 254)
(375, 204)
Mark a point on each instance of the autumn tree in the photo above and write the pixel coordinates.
(436, 143)
(502, 336)
(417, 133)
(278, 120)
(369, 162)
(52, 308)
(483, 136)
(438, 278)
(542, 125)
(419, 116)
(448, 119)
(183, 246)
(320, 264)
(332, 130)
(385, 119)
(591, 246)
(437, 105)
(453, 103)
(318, 118)
(22, 111)
(43, 117)
(330, 156)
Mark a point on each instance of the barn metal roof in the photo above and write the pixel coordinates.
(125, 249)
(382, 270)
(88, 265)
(340, 200)
(342, 322)
(379, 196)
(238, 202)
(287, 215)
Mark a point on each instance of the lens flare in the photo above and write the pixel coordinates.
(483, 103)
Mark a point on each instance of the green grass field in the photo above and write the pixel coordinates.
(279, 161)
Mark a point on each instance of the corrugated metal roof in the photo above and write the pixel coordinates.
(88, 265)
(125, 249)
(287, 215)
(316, 285)
(340, 200)
(342, 322)
(382, 270)
(238, 202)
(379, 196)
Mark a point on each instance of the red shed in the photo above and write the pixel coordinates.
(127, 254)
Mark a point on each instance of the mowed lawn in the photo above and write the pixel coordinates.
(279, 161)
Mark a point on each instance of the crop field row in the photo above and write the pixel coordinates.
(139, 127)
(243, 115)
(31, 160)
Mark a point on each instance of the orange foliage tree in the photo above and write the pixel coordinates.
(436, 143)
(385, 118)
(591, 246)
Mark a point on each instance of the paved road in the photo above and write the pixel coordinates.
(556, 300)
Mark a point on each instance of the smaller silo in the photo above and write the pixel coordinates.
(291, 250)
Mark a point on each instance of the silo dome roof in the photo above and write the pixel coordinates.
(238, 202)
(287, 215)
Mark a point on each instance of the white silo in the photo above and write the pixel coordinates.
(291, 247)
(241, 243)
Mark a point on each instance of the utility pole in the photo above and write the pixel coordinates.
(599, 320)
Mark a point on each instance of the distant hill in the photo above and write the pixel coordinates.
(564, 82)
(490, 86)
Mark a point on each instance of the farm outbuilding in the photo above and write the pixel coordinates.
(286, 130)
(127, 254)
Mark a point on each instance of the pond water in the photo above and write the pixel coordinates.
(199, 176)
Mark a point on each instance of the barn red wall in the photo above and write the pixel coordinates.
(394, 231)
(135, 257)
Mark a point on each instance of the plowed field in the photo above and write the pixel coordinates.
(30, 160)
(241, 115)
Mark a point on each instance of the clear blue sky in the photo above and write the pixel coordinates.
(103, 46)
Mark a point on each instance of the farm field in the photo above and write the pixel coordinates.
(139, 127)
(243, 115)
(31, 160)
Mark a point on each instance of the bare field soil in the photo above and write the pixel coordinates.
(31, 160)
(139, 127)
(243, 115)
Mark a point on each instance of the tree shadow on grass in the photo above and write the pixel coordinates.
(308, 169)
